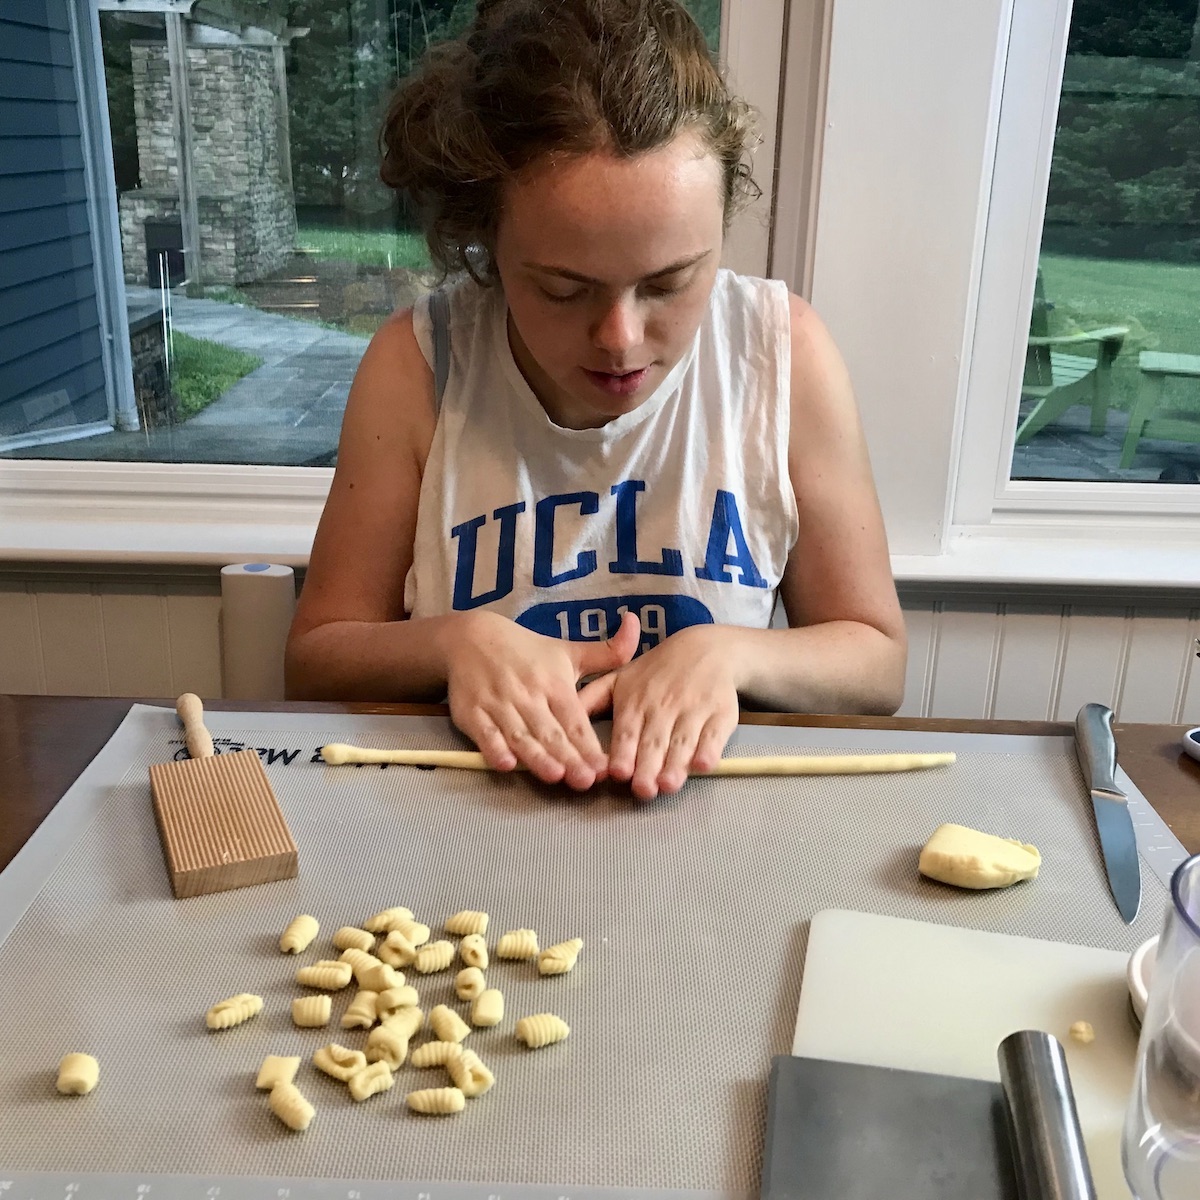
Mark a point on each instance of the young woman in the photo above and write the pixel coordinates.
(629, 452)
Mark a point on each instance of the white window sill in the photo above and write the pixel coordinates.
(157, 543)
(1081, 560)
(1087, 558)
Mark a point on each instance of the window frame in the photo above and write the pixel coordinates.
(933, 323)
(86, 511)
(985, 496)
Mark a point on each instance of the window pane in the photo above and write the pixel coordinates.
(246, 334)
(1112, 377)
(244, 342)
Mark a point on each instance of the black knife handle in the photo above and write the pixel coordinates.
(1096, 747)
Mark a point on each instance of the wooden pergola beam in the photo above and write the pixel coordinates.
(233, 16)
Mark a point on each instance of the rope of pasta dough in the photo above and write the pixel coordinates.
(337, 753)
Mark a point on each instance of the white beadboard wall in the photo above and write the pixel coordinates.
(1017, 656)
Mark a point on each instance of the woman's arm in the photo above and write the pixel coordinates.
(847, 645)
(347, 640)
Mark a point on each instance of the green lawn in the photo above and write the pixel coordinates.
(1159, 302)
(369, 247)
(202, 370)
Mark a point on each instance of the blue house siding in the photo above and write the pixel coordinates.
(52, 375)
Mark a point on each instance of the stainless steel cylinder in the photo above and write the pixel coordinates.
(1050, 1158)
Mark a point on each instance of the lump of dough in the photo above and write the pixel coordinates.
(1083, 1032)
(967, 858)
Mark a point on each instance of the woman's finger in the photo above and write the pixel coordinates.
(681, 750)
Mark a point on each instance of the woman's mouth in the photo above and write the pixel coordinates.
(618, 383)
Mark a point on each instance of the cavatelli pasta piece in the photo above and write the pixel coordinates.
(560, 958)
(235, 1010)
(518, 943)
(437, 956)
(359, 960)
(340, 1062)
(311, 1012)
(299, 934)
(407, 1020)
(542, 1029)
(435, 1054)
(413, 932)
(386, 1043)
(351, 937)
(439, 1101)
(467, 922)
(330, 974)
(290, 1106)
(488, 1008)
(469, 982)
(77, 1074)
(387, 919)
(396, 950)
(361, 1012)
(380, 978)
(372, 1080)
(468, 1074)
(447, 1025)
(388, 1003)
(473, 951)
(276, 1068)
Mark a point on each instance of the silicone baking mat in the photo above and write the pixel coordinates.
(693, 912)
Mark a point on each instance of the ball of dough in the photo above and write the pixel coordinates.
(1083, 1032)
(966, 858)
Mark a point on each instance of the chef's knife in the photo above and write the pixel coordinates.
(1097, 751)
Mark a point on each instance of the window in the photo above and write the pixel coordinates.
(935, 171)
(1074, 129)
(246, 318)
(260, 250)
(1111, 385)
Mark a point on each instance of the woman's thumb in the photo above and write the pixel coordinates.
(594, 658)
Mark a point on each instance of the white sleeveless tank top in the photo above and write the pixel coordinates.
(680, 511)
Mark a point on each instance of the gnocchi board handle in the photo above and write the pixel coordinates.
(338, 753)
(191, 713)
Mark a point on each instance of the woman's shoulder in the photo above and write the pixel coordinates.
(391, 398)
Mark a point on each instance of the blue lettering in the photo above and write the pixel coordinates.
(627, 561)
(464, 569)
(725, 523)
(543, 539)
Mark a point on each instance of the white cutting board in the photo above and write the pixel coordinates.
(895, 993)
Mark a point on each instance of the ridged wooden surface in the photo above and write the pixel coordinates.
(220, 823)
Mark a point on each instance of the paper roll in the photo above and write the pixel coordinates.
(257, 603)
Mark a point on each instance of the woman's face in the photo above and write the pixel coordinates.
(607, 264)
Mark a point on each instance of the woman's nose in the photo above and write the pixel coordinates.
(620, 328)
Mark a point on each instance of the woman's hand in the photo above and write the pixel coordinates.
(513, 693)
(673, 709)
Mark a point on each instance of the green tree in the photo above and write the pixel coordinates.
(1123, 28)
(340, 75)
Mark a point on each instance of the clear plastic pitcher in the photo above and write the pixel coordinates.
(1160, 1147)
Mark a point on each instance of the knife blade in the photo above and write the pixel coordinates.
(1096, 749)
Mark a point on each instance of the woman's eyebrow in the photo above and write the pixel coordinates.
(575, 277)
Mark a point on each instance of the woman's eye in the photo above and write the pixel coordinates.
(560, 298)
(666, 287)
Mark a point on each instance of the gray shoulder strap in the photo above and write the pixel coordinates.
(439, 320)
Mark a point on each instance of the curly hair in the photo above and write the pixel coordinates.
(534, 77)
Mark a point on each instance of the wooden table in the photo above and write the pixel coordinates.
(46, 741)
